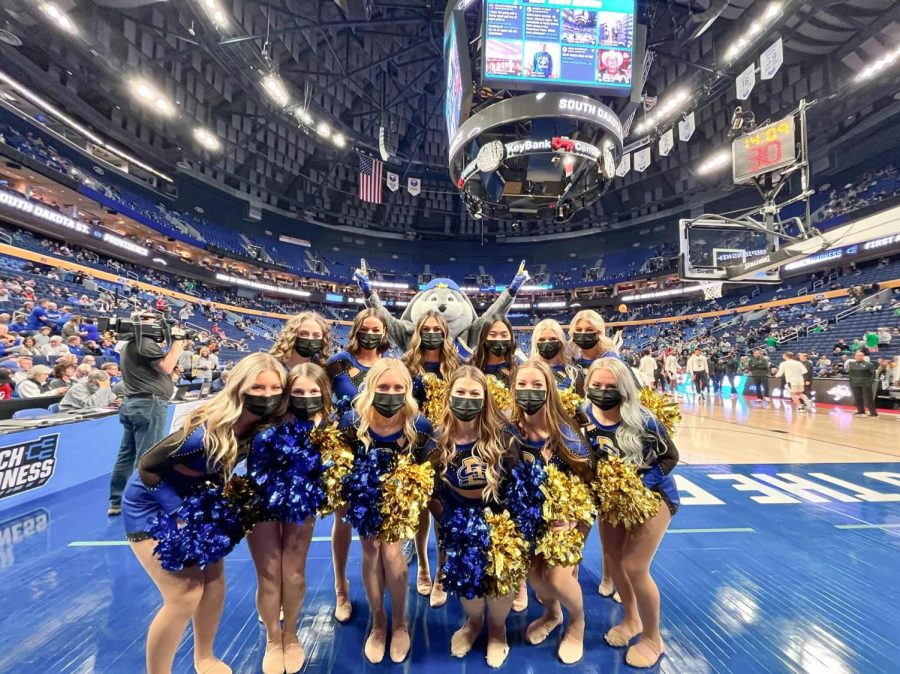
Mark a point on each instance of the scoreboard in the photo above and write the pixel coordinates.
(764, 150)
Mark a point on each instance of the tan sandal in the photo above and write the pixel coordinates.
(399, 653)
(438, 596)
(273, 659)
(538, 631)
(643, 655)
(618, 636)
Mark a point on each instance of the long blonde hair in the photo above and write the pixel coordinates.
(596, 321)
(320, 377)
(353, 344)
(362, 403)
(554, 326)
(557, 418)
(489, 447)
(414, 358)
(221, 412)
(283, 348)
(633, 430)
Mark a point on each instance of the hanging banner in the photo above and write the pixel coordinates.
(666, 141)
(771, 60)
(745, 82)
(642, 160)
(686, 127)
(414, 185)
(624, 165)
(393, 181)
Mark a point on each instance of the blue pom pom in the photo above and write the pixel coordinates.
(363, 490)
(286, 468)
(465, 538)
(524, 498)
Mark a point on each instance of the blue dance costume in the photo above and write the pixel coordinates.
(660, 454)
(418, 388)
(347, 375)
(569, 377)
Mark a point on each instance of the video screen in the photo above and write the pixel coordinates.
(457, 98)
(582, 43)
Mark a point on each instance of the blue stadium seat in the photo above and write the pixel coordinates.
(54, 408)
(30, 413)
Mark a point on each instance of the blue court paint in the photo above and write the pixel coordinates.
(757, 580)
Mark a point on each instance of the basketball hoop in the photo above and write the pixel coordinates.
(712, 290)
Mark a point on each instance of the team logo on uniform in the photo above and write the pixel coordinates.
(471, 472)
(27, 465)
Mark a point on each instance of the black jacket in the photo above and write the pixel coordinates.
(759, 367)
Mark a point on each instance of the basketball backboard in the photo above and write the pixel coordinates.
(713, 249)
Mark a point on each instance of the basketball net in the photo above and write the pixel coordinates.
(712, 290)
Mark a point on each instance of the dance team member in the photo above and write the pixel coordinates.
(495, 354)
(470, 459)
(548, 344)
(431, 355)
(366, 343)
(617, 425)
(548, 436)
(305, 338)
(286, 468)
(589, 341)
(383, 424)
(213, 440)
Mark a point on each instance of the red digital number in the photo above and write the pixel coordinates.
(767, 154)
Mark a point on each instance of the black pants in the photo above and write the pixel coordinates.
(761, 384)
(701, 381)
(863, 397)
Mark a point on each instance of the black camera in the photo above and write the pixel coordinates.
(152, 325)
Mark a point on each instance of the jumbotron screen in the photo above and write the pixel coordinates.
(543, 44)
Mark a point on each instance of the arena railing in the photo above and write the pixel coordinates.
(62, 263)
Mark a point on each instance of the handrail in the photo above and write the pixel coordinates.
(846, 312)
(6, 238)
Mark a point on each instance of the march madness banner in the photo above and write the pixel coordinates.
(27, 465)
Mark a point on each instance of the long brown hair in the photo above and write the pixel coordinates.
(489, 447)
(414, 358)
(283, 348)
(557, 418)
(479, 358)
(353, 344)
(320, 377)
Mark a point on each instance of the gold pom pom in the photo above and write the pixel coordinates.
(508, 555)
(406, 492)
(436, 393)
(500, 394)
(566, 499)
(663, 407)
(571, 401)
(241, 493)
(622, 497)
(335, 450)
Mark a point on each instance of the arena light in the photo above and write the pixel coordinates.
(389, 284)
(216, 14)
(151, 97)
(754, 30)
(658, 294)
(714, 163)
(339, 139)
(551, 305)
(304, 116)
(875, 68)
(266, 287)
(672, 103)
(207, 140)
(323, 129)
(59, 17)
(276, 90)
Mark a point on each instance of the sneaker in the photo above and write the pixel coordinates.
(801, 409)
(114, 510)
(874, 415)
(860, 414)
(768, 399)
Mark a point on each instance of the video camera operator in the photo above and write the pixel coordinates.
(147, 379)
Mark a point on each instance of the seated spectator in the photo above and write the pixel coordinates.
(19, 366)
(63, 375)
(29, 347)
(90, 361)
(35, 383)
(82, 371)
(91, 347)
(74, 345)
(18, 324)
(202, 366)
(6, 384)
(109, 349)
(92, 392)
(884, 336)
(55, 347)
(219, 383)
(71, 328)
(6, 300)
(112, 369)
(840, 347)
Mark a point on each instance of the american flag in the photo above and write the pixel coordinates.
(369, 188)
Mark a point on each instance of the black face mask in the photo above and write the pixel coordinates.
(388, 404)
(262, 406)
(531, 400)
(586, 340)
(497, 347)
(305, 407)
(549, 350)
(466, 409)
(432, 340)
(306, 347)
(605, 399)
(369, 340)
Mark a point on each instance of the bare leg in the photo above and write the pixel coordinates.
(559, 586)
(341, 536)
(373, 583)
(438, 594)
(295, 548)
(182, 592)
(265, 548)
(538, 630)
(396, 577)
(423, 577)
(498, 646)
(614, 543)
(206, 620)
(463, 638)
(520, 601)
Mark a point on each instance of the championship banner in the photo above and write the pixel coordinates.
(686, 127)
(414, 185)
(666, 141)
(745, 82)
(393, 181)
(624, 165)
(642, 160)
(771, 60)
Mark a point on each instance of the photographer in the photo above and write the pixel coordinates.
(147, 378)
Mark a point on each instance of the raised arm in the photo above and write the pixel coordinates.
(499, 308)
(399, 331)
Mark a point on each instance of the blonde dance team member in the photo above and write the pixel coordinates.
(589, 341)
(286, 467)
(214, 438)
(548, 343)
(617, 424)
(304, 339)
(384, 423)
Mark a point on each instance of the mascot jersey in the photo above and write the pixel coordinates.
(445, 296)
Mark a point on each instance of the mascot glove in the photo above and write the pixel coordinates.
(517, 282)
(362, 280)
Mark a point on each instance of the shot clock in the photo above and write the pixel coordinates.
(764, 150)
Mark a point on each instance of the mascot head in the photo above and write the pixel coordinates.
(445, 296)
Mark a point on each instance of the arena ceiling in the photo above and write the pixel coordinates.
(358, 65)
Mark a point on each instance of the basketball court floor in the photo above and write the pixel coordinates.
(783, 558)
